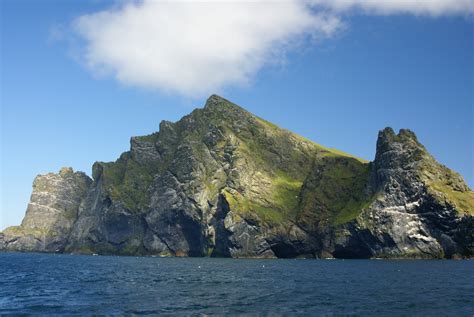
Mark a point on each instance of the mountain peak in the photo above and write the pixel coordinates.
(389, 135)
(407, 134)
(215, 99)
(388, 140)
(66, 171)
(215, 102)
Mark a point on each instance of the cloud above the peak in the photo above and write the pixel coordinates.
(194, 48)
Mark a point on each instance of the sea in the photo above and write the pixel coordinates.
(60, 284)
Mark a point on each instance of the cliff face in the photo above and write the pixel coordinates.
(51, 213)
(419, 208)
(223, 182)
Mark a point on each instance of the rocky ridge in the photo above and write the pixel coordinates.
(223, 182)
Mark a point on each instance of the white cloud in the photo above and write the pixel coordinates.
(417, 7)
(195, 48)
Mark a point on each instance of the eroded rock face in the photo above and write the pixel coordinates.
(415, 211)
(223, 182)
(51, 213)
(105, 224)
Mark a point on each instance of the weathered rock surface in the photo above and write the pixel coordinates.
(223, 182)
(419, 209)
(51, 213)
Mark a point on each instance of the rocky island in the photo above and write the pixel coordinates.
(223, 182)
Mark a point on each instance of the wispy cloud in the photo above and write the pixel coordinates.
(194, 48)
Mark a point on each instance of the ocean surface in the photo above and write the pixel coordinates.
(110, 285)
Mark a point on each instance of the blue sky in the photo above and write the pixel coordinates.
(360, 70)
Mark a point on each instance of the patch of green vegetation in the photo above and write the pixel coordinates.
(318, 147)
(13, 230)
(270, 215)
(128, 181)
(286, 192)
(255, 154)
(335, 153)
(211, 187)
(446, 185)
(236, 201)
(336, 192)
(352, 209)
(113, 172)
(137, 180)
(462, 200)
(243, 206)
(267, 123)
(39, 233)
(148, 138)
(280, 206)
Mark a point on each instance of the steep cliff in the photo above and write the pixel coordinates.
(51, 213)
(223, 182)
(419, 208)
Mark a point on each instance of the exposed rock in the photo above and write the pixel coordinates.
(223, 182)
(51, 213)
(417, 206)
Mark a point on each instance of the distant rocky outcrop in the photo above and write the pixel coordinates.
(223, 182)
(51, 213)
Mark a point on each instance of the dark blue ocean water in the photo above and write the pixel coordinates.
(84, 285)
